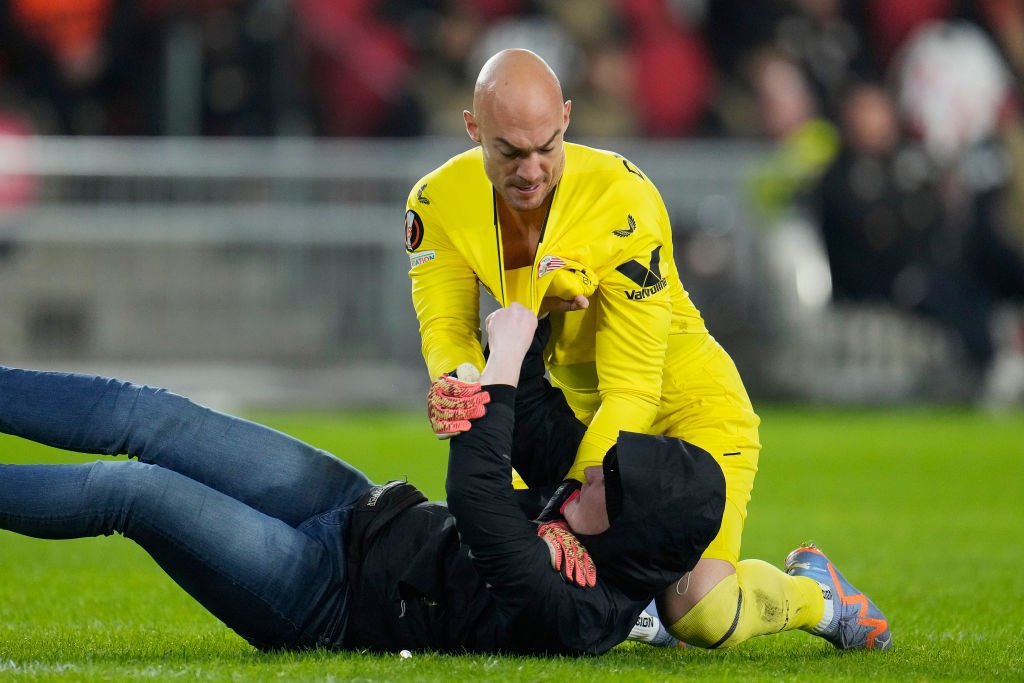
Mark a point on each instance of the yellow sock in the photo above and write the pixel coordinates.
(758, 599)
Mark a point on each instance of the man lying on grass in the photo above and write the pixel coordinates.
(292, 547)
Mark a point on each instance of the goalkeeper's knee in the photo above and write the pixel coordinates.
(757, 600)
(711, 622)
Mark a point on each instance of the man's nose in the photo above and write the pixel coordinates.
(530, 168)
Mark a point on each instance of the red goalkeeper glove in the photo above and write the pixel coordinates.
(452, 403)
(568, 556)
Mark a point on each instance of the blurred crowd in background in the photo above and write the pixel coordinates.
(896, 124)
(666, 68)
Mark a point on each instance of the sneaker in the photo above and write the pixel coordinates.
(851, 621)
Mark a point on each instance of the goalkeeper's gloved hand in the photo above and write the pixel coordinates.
(568, 556)
(452, 402)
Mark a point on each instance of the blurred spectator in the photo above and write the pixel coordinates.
(361, 68)
(877, 204)
(444, 38)
(996, 244)
(823, 38)
(824, 41)
(588, 22)
(672, 70)
(787, 114)
(248, 68)
(951, 85)
(535, 31)
(957, 93)
(84, 66)
(734, 28)
(665, 68)
(890, 23)
(603, 103)
(603, 94)
(887, 232)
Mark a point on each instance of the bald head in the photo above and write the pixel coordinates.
(516, 83)
(519, 119)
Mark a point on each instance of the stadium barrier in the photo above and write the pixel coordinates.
(272, 272)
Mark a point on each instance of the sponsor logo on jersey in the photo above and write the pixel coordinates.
(419, 195)
(647, 277)
(421, 258)
(626, 232)
(413, 230)
(631, 168)
(549, 264)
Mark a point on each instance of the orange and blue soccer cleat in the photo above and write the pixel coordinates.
(851, 621)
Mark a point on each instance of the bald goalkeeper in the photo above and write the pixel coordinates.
(583, 235)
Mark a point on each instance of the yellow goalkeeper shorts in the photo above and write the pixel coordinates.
(704, 402)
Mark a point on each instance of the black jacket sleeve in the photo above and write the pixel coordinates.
(541, 611)
(546, 434)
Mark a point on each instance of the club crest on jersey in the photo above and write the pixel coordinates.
(647, 277)
(549, 264)
(413, 231)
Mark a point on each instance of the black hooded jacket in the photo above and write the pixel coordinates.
(474, 576)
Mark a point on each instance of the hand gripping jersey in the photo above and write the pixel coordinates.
(607, 235)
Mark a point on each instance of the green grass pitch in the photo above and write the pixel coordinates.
(920, 509)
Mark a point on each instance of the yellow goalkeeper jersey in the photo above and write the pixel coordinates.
(607, 235)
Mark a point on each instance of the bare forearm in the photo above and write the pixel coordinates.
(501, 369)
(510, 332)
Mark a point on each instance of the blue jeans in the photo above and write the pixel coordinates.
(249, 521)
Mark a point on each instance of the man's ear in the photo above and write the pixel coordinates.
(471, 128)
(566, 108)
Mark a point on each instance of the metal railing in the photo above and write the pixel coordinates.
(288, 253)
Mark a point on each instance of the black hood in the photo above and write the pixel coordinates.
(672, 499)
